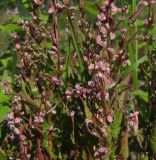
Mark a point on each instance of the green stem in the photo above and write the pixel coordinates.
(77, 48)
(135, 74)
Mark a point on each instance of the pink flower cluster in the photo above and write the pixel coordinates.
(91, 91)
(105, 24)
(101, 70)
(39, 118)
(102, 117)
(78, 91)
(107, 31)
(13, 122)
(133, 122)
(6, 88)
(101, 153)
(13, 119)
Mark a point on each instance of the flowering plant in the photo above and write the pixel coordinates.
(79, 87)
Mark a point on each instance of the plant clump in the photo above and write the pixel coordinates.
(75, 82)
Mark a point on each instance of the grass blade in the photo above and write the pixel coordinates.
(75, 43)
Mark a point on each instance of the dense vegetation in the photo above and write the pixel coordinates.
(78, 80)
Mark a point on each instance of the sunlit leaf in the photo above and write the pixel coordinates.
(143, 95)
(10, 28)
(4, 110)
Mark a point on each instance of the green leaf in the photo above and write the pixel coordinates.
(43, 18)
(74, 37)
(6, 61)
(15, 18)
(10, 28)
(5, 98)
(134, 66)
(124, 151)
(107, 158)
(3, 155)
(4, 42)
(152, 140)
(115, 126)
(139, 22)
(6, 77)
(87, 110)
(143, 95)
(4, 110)
(91, 8)
(68, 60)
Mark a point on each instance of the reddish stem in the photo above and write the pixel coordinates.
(40, 155)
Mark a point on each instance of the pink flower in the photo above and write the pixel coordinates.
(18, 120)
(105, 3)
(111, 50)
(38, 119)
(20, 21)
(103, 30)
(124, 9)
(136, 114)
(114, 9)
(16, 131)
(101, 153)
(14, 34)
(98, 96)
(112, 35)
(107, 96)
(100, 112)
(100, 75)
(99, 40)
(51, 10)
(103, 150)
(103, 67)
(17, 46)
(10, 116)
(91, 66)
(106, 80)
(148, 21)
(5, 83)
(91, 83)
(109, 118)
(98, 23)
(125, 63)
(23, 137)
(68, 93)
(38, 2)
(79, 90)
(55, 80)
(102, 17)
(7, 90)
(132, 121)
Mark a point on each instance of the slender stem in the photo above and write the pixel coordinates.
(135, 75)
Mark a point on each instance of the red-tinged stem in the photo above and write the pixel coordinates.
(55, 36)
(137, 13)
(40, 155)
(22, 147)
(87, 153)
